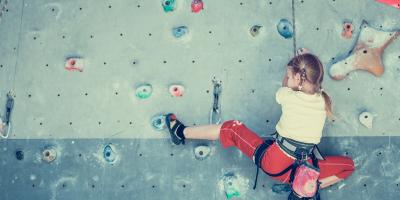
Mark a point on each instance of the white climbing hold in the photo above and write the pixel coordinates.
(366, 119)
(201, 152)
(49, 154)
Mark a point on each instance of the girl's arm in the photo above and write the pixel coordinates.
(285, 80)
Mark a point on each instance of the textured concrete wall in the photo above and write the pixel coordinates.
(125, 43)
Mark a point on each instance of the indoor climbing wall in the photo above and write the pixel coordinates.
(89, 81)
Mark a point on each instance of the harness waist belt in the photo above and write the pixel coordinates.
(294, 148)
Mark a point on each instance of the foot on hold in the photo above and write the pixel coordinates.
(366, 54)
(281, 188)
(168, 5)
(144, 91)
(201, 152)
(231, 186)
(285, 28)
(175, 128)
(176, 90)
(49, 154)
(158, 122)
(109, 154)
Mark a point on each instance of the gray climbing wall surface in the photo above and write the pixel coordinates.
(126, 43)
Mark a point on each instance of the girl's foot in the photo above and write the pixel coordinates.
(175, 128)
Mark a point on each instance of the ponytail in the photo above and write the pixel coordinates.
(328, 105)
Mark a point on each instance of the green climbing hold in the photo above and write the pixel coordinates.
(144, 91)
(168, 5)
(231, 186)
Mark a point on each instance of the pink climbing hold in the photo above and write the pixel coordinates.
(176, 90)
(74, 64)
(197, 6)
(394, 3)
(347, 30)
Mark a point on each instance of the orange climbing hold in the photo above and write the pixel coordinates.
(347, 30)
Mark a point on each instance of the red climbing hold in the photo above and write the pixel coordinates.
(197, 6)
(394, 3)
(74, 64)
(176, 90)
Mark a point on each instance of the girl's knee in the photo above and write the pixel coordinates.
(350, 163)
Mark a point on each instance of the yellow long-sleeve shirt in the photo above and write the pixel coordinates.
(303, 115)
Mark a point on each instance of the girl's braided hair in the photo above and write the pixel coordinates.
(311, 70)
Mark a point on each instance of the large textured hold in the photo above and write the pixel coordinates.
(366, 54)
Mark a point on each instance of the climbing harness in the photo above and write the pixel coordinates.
(301, 172)
(215, 114)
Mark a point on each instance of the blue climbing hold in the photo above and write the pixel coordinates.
(109, 154)
(180, 31)
(19, 154)
(285, 28)
(158, 122)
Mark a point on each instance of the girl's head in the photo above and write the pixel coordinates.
(305, 73)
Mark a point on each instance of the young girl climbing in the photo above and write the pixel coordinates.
(305, 107)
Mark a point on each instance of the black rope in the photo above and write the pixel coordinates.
(294, 29)
(18, 45)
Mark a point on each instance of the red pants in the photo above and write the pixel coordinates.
(235, 133)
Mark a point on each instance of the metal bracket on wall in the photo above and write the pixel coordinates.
(215, 114)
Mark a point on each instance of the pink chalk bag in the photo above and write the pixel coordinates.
(304, 181)
(304, 184)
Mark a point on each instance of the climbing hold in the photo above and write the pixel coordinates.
(19, 154)
(197, 6)
(74, 64)
(168, 5)
(366, 54)
(281, 188)
(176, 90)
(347, 31)
(394, 3)
(158, 122)
(49, 154)
(109, 154)
(255, 30)
(144, 91)
(231, 186)
(180, 31)
(285, 28)
(302, 51)
(366, 119)
(201, 152)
